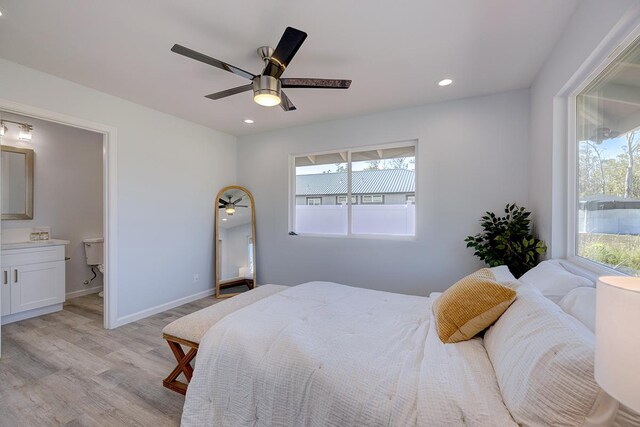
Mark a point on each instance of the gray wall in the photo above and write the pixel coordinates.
(67, 190)
(591, 22)
(168, 172)
(471, 158)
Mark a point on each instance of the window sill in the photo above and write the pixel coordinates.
(593, 267)
(356, 236)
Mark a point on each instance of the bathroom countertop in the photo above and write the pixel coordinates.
(36, 244)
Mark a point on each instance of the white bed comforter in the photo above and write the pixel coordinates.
(323, 354)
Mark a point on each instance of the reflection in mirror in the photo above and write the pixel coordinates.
(17, 183)
(235, 242)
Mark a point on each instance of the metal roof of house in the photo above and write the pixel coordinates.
(364, 182)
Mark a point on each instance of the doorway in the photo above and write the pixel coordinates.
(105, 139)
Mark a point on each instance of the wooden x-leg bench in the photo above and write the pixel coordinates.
(188, 331)
(184, 363)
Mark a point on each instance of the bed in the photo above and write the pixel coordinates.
(325, 354)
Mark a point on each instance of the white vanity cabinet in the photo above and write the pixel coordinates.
(32, 280)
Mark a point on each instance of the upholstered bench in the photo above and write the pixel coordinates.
(189, 330)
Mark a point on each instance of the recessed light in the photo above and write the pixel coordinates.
(0, 13)
(224, 219)
(445, 82)
(248, 121)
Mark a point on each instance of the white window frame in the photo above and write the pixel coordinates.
(381, 202)
(607, 52)
(348, 151)
(354, 199)
(313, 198)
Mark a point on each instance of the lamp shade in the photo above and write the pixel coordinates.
(617, 360)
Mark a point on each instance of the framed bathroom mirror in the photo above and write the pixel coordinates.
(17, 182)
(235, 241)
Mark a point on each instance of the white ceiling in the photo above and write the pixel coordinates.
(394, 51)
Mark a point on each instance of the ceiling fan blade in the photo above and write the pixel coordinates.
(230, 92)
(236, 201)
(315, 83)
(286, 103)
(287, 47)
(224, 202)
(241, 206)
(185, 51)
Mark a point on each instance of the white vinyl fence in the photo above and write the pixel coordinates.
(398, 220)
(609, 221)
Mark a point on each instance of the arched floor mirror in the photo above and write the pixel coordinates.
(235, 242)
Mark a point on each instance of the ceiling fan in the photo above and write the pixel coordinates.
(229, 206)
(267, 86)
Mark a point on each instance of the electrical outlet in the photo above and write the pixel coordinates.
(196, 278)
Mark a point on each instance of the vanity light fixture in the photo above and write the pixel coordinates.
(25, 129)
(25, 133)
(445, 82)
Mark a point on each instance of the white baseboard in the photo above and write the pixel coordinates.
(120, 321)
(10, 318)
(83, 292)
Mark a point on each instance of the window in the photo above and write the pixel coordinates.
(314, 201)
(607, 130)
(377, 199)
(411, 198)
(343, 199)
(380, 177)
(250, 248)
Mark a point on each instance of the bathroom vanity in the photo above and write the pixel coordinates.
(32, 279)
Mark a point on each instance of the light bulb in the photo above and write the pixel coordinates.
(267, 99)
(25, 134)
(230, 210)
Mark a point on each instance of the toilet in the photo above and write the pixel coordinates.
(94, 252)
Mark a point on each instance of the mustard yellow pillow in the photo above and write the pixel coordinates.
(471, 305)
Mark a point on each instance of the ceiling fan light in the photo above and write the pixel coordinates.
(266, 91)
(230, 210)
(267, 99)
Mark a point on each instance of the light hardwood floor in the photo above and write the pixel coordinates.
(65, 369)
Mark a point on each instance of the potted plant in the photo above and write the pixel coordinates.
(507, 240)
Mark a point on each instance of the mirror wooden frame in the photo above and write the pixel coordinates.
(217, 237)
(28, 172)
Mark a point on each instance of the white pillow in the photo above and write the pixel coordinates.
(579, 271)
(504, 277)
(503, 274)
(553, 280)
(543, 360)
(581, 304)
